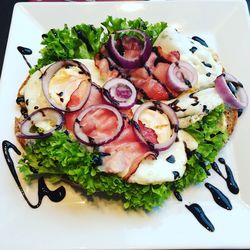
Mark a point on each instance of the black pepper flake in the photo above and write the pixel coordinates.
(208, 74)
(36, 107)
(60, 94)
(207, 64)
(193, 49)
(27, 102)
(61, 99)
(170, 159)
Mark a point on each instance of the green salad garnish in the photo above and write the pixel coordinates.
(84, 41)
(59, 157)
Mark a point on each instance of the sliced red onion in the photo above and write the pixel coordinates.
(172, 119)
(125, 62)
(181, 76)
(82, 137)
(29, 128)
(120, 92)
(231, 91)
(51, 71)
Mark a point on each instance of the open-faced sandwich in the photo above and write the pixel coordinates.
(132, 111)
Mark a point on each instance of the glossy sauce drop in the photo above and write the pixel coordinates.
(231, 183)
(25, 51)
(199, 214)
(55, 195)
(199, 40)
(219, 197)
(177, 195)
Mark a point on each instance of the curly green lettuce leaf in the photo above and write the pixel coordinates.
(211, 137)
(152, 30)
(85, 40)
(81, 41)
(59, 157)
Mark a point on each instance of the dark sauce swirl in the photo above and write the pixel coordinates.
(200, 215)
(56, 195)
(24, 52)
(219, 197)
(231, 183)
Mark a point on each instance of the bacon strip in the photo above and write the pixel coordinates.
(95, 98)
(126, 153)
(151, 79)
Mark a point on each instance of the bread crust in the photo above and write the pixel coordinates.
(18, 121)
(231, 118)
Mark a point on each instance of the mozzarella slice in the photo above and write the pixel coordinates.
(170, 164)
(158, 122)
(64, 83)
(204, 59)
(192, 107)
(33, 92)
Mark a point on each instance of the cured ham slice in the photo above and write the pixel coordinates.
(99, 124)
(95, 98)
(125, 153)
(150, 80)
(152, 88)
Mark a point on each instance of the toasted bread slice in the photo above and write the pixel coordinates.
(231, 119)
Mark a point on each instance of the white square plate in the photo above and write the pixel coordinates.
(76, 223)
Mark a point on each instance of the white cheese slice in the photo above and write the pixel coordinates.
(171, 40)
(192, 108)
(64, 83)
(33, 92)
(158, 122)
(169, 166)
(45, 125)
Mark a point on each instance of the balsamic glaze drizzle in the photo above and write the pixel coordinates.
(207, 64)
(199, 40)
(55, 195)
(175, 107)
(177, 195)
(240, 111)
(193, 49)
(199, 214)
(25, 51)
(231, 183)
(196, 99)
(219, 197)
(171, 159)
(176, 174)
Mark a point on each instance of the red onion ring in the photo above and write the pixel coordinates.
(40, 115)
(172, 119)
(82, 137)
(51, 71)
(125, 62)
(239, 100)
(181, 76)
(120, 92)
